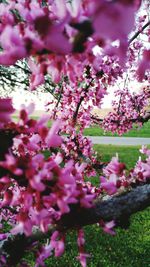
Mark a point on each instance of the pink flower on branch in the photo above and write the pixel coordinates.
(48, 185)
(53, 139)
(112, 20)
(57, 243)
(82, 255)
(114, 167)
(109, 185)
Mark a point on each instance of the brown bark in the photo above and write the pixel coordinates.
(116, 208)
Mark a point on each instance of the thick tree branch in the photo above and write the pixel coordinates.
(118, 208)
(14, 247)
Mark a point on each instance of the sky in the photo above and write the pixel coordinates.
(20, 97)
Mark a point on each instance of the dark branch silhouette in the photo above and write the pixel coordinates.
(139, 32)
(142, 119)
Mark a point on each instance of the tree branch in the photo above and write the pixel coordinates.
(25, 70)
(58, 101)
(96, 119)
(118, 208)
(75, 115)
(139, 32)
(141, 119)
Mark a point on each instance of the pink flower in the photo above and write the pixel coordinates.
(5, 14)
(63, 205)
(114, 167)
(13, 46)
(6, 109)
(24, 225)
(53, 139)
(44, 253)
(57, 244)
(56, 41)
(87, 200)
(37, 76)
(55, 67)
(109, 185)
(36, 182)
(108, 227)
(3, 236)
(7, 199)
(81, 239)
(145, 169)
(11, 164)
(145, 150)
(82, 258)
(113, 20)
(33, 143)
(59, 8)
(53, 35)
(74, 8)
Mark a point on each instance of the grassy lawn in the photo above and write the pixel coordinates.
(128, 248)
(127, 154)
(135, 132)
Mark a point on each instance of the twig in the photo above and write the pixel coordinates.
(141, 119)
(80, 101)
(139, 32)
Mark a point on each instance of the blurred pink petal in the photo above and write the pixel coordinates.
(6, 109)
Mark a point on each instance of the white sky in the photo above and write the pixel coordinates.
(20, 97)
(40, 99)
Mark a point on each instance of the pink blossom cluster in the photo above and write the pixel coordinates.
(75, 100)
(42, 188)
(40, 178)
(129, 108)
(57, 47)
(116, 177)
(43, 175)
(142, 168)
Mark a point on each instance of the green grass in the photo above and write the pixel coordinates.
(127, 154)
(135, 132)
(129, 248)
